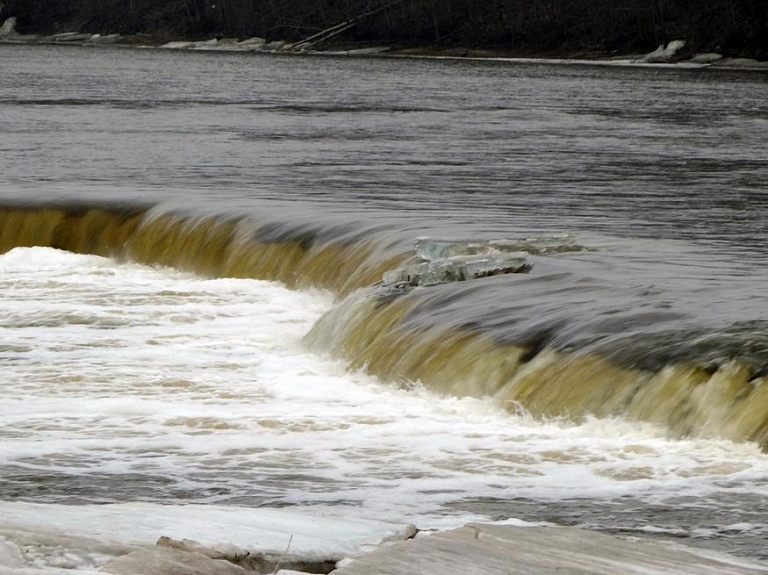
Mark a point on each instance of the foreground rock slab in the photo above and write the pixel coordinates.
(506, 550)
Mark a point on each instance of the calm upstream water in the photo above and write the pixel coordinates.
(192, 307)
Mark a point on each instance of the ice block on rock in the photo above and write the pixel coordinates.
(457, 269)
(434, 249)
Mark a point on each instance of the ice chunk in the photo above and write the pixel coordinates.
(444, 261)
(457, 269)
(478, 548)
(433, 249)
(10, 555)
(215, 527)
(251, 560)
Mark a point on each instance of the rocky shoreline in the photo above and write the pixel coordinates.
(671, 54)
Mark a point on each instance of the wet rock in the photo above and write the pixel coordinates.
(275, 46)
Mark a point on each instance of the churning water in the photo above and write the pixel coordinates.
(193, 248)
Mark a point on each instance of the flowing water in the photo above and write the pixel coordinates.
(229, 279)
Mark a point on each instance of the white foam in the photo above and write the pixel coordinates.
(129, 383)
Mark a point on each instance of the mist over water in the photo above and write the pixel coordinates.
(620, 387)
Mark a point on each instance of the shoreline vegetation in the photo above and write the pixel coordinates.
(718, 33)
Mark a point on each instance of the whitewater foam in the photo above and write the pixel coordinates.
(182, 390)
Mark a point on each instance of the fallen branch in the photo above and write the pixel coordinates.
(337, 29)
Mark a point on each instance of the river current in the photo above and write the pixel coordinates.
(197, 302)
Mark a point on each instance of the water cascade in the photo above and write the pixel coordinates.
(390, 317)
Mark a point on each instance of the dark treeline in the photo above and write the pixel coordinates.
(734, 27)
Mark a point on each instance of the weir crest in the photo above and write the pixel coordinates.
(391, 317)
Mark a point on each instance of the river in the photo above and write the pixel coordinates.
(192, 307)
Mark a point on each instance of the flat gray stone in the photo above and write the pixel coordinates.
(506, 550)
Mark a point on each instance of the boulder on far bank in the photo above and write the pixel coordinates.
(664, 55)
(8, 28)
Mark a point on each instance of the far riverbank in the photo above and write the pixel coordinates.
(673, 53)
